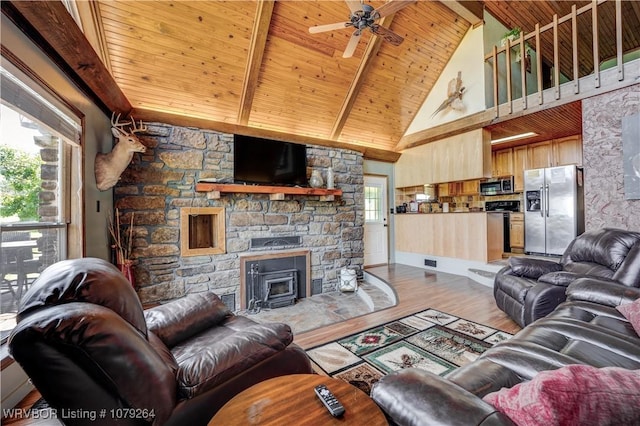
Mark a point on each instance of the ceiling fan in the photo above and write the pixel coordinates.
(365, 16)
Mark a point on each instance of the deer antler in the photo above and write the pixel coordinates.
(135, 129)
(117, 125)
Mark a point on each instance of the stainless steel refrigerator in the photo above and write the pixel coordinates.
(554, 209)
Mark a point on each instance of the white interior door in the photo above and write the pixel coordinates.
(376, 237)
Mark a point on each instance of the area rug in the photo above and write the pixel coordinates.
(431, 340)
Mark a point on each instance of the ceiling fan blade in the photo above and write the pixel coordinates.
(328, 27)
(392, 7)
(353, 43)
(387, 34)
(354, 5)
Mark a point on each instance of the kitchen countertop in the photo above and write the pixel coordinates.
(420, 213)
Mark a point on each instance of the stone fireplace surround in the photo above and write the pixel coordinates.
(161, 181)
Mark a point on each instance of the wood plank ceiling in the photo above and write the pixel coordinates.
(252, 67)
(195, 59)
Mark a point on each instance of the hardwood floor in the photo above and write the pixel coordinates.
(416, 290)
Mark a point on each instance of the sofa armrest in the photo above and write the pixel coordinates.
(559, 278)
(532, 268)
(604, 292)
(180, 319)
(417, 397)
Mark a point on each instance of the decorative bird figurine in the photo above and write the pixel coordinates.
(454, 96)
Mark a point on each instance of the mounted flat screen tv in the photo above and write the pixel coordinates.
(268, 162)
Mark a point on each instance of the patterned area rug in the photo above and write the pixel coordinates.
(431, 340)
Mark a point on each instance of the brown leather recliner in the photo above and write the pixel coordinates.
(88, 346)
(528, 289)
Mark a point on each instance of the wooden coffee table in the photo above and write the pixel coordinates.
(291, 400)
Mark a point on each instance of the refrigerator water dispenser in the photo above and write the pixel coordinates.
(533, 201)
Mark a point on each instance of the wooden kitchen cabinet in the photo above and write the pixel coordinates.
(516, 233)
(470, 187)
(503, 162)
(519, 166)
(443, 190)
(456, 158)
(539, 155)
(455, 189)
(567, 151)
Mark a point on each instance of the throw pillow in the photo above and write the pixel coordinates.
(631, 311)
(573, 395)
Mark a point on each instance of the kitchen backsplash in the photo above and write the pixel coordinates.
(463, 203)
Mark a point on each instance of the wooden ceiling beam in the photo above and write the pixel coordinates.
(69, 48)
(261, 24)
(470, 10)
(89, 12)
(358, 79)
(151, 116)
(452, 128)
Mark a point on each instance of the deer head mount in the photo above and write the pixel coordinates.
(109, 167)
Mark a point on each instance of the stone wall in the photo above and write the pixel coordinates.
(160, 182)
(605, 205)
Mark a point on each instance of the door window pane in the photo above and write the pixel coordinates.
(372, 204)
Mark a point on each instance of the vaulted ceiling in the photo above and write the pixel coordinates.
(252, 67)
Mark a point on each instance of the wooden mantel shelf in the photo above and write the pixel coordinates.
(275, 192)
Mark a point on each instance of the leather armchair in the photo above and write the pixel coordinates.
(83, 338)
(528, 289)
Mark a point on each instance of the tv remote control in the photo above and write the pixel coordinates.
(329, 400)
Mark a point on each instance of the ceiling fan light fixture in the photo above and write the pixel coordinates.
(365, 16)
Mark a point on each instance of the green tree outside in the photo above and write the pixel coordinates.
(20, 183)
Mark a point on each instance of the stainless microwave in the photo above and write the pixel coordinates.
(498, 186)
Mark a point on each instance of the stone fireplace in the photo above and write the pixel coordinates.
(160, 184)
(275, 279)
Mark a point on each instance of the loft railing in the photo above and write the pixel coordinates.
(505, 75)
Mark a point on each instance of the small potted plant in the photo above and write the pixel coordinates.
(513, 35)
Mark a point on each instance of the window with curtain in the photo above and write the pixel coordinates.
(40, 182)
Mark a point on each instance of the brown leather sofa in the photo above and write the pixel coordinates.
(88, 346)
(587, 329)
(528, 289)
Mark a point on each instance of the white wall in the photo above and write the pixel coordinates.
(467, 58)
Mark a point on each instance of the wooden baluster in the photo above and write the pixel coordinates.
(574, 42)
(508, 72)
(596, 43)
(523, 70)
(495, 81)
(556, 58)
(539, 64)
